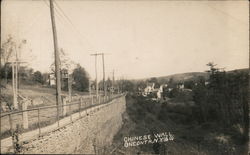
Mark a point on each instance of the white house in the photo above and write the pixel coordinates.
(52, 79)
(159, 92)
(180, 86)
(149, 89)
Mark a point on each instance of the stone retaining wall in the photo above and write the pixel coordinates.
(96, 128)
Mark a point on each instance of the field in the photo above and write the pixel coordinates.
(40, 95)
(44, 96)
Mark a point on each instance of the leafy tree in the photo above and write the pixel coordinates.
(37, 77)
(81, 79)
(189, 84)
(6, 72)
(171, 83)
(200, 98)
(173, 93)
(23, 74)
(224, 99)
(45, 77)
(7, 50)
(64, 79)
(126, 85)
(108, 84)
(155, 81)
(141, 85)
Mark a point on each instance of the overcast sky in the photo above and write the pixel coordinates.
(142, 38)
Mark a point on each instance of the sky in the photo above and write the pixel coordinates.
(140, 38)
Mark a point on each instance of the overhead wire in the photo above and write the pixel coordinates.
(69, 24)
(57, 13)
(73, 26)
(229, 15)
(57, 5)
(64, 18)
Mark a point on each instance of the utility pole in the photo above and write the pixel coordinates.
(96, 82)
(0, 38)
(15, 77)
(70, 86)
(118, 87)
(14, 86)
(89, 87)
(57, 67)
(16, 74)
(103, 66)
(15, 82)
(113, 82)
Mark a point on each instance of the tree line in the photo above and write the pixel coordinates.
(224, 99)
(11, 50)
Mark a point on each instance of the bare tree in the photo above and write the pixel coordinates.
(65, 62)
(10, 50)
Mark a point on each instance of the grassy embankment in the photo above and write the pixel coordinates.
(145, 116)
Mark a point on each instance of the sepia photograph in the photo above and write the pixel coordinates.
(124, 77)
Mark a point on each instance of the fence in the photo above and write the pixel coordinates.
(36, 118)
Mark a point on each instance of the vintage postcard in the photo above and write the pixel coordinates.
(118, 77)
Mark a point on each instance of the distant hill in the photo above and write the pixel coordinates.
(245, 70)
(188, 76)
(177, 77)
(184, 76)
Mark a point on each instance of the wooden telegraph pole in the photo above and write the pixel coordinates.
(14, 86)
(113, 82)
(57, 67)
(70, 86)
(96, 77)
(103, 65)
(15, 82)
(89, 87)
(96, 82)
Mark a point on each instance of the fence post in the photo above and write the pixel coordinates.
(57, 113)
(80, 103)
(11, 125)
(25, 115)
(70, 112)
(61, 110)
(94, 148)
(39, 121)
(92, 99)
(86, 110)
(11, 131)
(64, 107)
